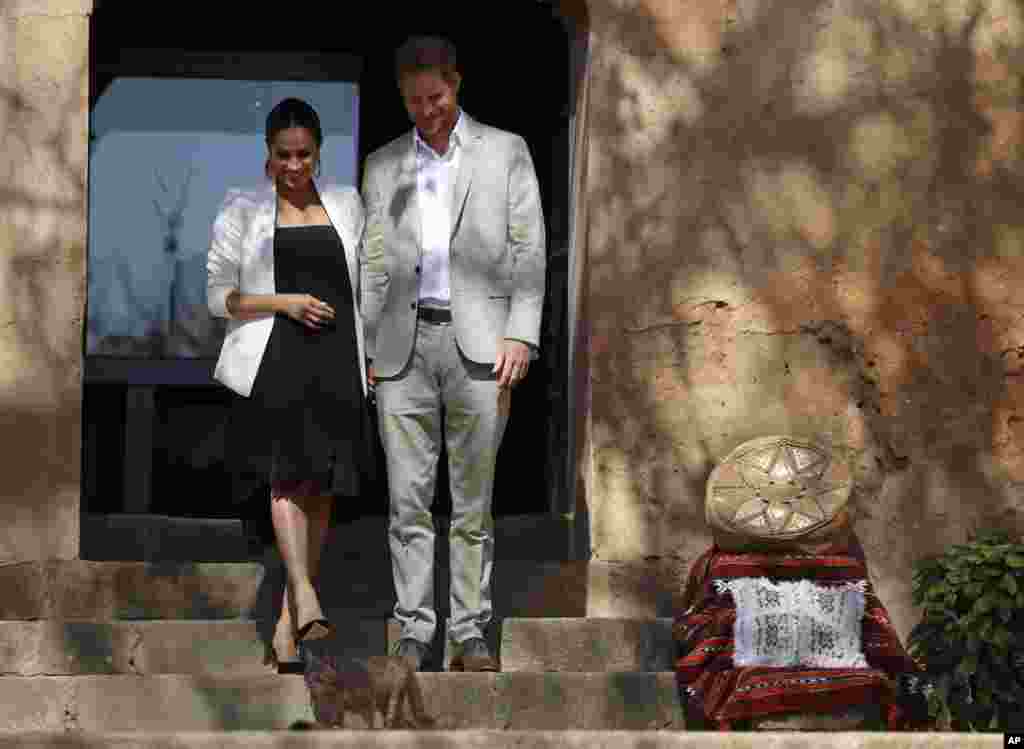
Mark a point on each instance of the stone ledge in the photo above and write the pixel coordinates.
(457, 701)
(54, 648)
(236, 647)
(99, 591)
(104, 591)
(501, 740)
(151, 537)
(127, 590)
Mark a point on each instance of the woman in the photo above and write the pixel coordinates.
(283, 269)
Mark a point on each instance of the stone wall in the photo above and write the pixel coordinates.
(44, 129)
(804, 217)
(801, 216)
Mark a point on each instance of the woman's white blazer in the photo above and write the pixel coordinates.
(241, 257)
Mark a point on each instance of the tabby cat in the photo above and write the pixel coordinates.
(375, 687)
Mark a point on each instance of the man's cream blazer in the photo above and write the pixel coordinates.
(497, 251)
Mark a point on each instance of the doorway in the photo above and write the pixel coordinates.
(152, 418)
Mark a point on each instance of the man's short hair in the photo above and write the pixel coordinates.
(419, 53)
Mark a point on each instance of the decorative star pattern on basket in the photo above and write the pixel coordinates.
(777, 487)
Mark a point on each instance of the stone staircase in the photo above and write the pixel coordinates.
(168, 653)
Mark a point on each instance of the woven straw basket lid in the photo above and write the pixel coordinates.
(776, 488)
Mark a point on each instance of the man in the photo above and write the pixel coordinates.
(453, 287)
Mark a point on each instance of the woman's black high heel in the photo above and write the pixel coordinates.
(315, 629)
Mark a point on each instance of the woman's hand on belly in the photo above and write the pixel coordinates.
(306, 309)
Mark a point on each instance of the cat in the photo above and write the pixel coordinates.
(376, 687)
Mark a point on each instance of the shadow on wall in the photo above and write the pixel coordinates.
(805, 218)
(42, 262)
(42, 308)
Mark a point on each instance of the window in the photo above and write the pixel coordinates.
(163, 153)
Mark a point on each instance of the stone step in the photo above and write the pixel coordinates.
(570, 645)
(587, 644)
(213, 648)
(471, 739)
(100, 591)
(638, 701)
(151, 538)
(104, 591)
(236, 647)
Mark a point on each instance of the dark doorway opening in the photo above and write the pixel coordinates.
(515, 59)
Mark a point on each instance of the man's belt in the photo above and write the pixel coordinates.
(434, 315)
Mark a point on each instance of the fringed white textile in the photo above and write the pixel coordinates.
(796, 623)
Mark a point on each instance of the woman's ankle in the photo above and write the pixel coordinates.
(300, 585)
(307, 604)
(284, 644)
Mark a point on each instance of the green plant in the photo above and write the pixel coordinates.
(971, 635)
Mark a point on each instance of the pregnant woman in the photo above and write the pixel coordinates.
(283, 268)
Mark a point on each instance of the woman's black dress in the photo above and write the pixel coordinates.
(307, 417)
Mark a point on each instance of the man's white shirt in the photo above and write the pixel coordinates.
(435, 184)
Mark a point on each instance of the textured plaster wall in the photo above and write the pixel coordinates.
(44, 131)
(804, 216)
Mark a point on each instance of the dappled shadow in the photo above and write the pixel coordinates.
(804, 219)
(42, 284)
(44, 110)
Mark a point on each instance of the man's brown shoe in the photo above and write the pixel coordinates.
(473, 655)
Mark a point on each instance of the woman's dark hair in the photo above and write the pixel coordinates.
(292, 112)
(419, 53)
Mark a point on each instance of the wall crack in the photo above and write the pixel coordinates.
(70, 718)
(662, 325)
(135, 660)
(865, 392)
